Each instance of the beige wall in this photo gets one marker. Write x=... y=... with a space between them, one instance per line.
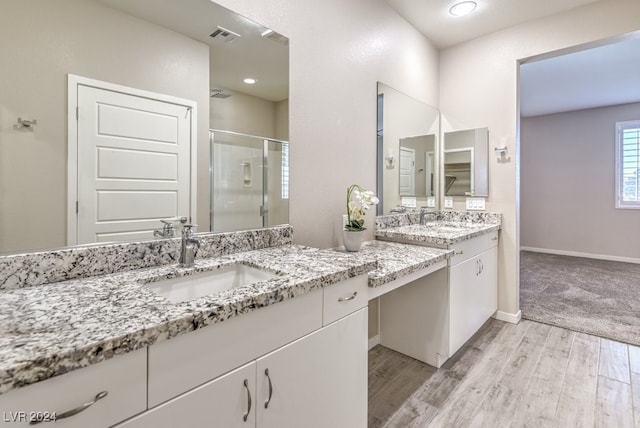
x=478 y=87
x=338 y=51
x=568 y=184
x=244 y=113
x=41 y=42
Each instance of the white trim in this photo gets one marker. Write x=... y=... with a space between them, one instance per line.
x=585 y=255
x=508 y=317
x=73 y=81
x=375 y=340
x=620 y=127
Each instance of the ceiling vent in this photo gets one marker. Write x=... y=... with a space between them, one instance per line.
x=224 y=35
x=219 y=93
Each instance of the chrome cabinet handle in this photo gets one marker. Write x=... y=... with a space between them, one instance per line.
x=481 y=266
x=494 y=238
x=458 y=252
x=77 y=410
x=246 y=415
x=266 y=403
x=477 y=267
x=346 y=299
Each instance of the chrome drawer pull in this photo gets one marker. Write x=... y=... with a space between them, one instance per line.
x=78 y=409
x=266 y=403
x=246 y=415
x=458 y=253
x=346 y=299
x=494 y=239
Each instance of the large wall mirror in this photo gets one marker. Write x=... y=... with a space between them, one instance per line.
x=407 y=151
x=466 y=162
x=214 y=69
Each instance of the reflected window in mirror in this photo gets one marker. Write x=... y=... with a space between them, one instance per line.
x=407 y=146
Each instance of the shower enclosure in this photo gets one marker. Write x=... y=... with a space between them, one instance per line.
x=249 y=181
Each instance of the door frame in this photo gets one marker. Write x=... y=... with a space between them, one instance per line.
x=73 y=81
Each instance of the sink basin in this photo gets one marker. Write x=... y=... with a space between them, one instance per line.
x=185 y=288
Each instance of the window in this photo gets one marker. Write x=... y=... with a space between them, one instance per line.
x=285 y=170
x=628 y=164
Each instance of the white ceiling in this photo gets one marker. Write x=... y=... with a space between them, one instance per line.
x=607 y=75
x=251 y=55
x=602 y=76
x=432 y=18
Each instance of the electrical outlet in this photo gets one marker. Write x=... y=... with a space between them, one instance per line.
x=475 y=204
x=431 y=202
x=408 y=202
x=448 y=201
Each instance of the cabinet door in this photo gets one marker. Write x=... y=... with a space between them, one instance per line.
x=487 y=290
x=222 y=402
x=318 y=381
x=463 y=315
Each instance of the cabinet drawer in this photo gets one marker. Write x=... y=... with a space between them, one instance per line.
x=466 y=249
x=124 y=378
x=344 y=298
x=190 y=360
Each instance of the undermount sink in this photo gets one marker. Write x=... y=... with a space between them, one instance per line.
x=189 y=287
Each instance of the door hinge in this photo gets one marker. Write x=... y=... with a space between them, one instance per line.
x=77 y=207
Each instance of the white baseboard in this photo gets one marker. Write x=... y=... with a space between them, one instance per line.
x=508 y=317
x=585 y=255
x=375 y=340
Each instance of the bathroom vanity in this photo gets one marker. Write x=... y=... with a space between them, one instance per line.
x=95 y=350
x=450 y=305
x=91 y=336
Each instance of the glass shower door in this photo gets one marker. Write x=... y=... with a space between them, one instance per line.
x=249 y=182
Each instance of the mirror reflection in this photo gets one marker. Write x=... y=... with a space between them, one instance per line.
x=466 y=162
x=417 y=165
x=407 y=135
x=150 y=162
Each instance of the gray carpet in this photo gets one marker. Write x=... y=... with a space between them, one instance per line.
x=591 y=296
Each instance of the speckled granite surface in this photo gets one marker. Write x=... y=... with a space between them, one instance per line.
x=443 y=228
x=54 y=328
x=25 y=270
x=394 y=220
x=396 y=260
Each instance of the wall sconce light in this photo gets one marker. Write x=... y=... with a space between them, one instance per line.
x=390 y=161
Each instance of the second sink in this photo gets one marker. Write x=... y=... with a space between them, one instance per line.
x=189 y=287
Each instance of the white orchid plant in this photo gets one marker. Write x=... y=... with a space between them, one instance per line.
x=359 y=201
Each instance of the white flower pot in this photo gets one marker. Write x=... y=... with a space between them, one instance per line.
x=353 y=239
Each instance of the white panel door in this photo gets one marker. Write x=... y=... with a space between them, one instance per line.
x=133 y=164
x=407 y=172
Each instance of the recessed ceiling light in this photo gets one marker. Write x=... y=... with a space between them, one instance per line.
x=249 y=81
x=463 y=8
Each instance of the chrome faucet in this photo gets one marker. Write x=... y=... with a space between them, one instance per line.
x=188 y=246
x=424 y=212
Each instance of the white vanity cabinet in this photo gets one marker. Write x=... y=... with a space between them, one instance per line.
x=318 y=381
x=432 y=317
x=72 y=399
x=298 y=363
x=228 y=401
x=473 y=289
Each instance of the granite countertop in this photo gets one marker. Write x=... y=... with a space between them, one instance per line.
x=436 y=233
x=396 y=260
x=51 y=329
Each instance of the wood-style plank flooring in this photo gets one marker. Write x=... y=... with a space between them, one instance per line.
x=524 y=375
